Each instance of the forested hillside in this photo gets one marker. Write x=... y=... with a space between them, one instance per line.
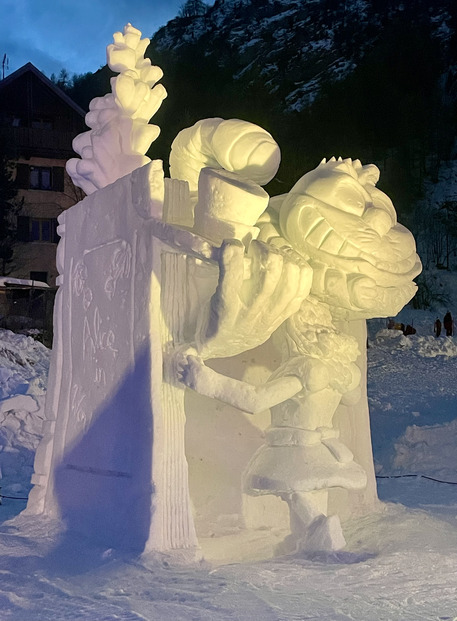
x=368 y=79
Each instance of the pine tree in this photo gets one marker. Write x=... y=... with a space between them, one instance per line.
x=9 y=208
x=193 y=8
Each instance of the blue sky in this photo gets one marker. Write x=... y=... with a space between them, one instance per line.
x=72 y=34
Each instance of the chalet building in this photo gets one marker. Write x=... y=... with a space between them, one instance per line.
x=37 y=125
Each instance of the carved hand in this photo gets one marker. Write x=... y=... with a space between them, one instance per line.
x=257 y=291
x=193 y=373
x=249 y=398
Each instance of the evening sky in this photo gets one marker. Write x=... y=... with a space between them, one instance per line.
x=72 y=34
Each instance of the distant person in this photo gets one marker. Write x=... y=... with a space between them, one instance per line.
x=437 y=327
x=448 y=323
x=391 y=324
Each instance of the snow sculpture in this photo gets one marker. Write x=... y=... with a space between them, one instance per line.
x=120 y=131
x=168 y=283
x=112 y=462
x=363 y=265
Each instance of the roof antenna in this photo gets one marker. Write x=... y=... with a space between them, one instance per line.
x=5 y=63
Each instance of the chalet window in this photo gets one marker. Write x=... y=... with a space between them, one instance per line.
x=40 y=177
x=10 y=120
x=42 y=229
x=37 y=229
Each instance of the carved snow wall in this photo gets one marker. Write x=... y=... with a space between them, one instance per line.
x=112 y=463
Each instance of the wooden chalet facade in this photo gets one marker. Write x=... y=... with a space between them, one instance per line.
x=37 y=125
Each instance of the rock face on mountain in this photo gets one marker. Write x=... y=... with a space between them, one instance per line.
x=368 y=79
x=294 y=47
x=374 y=80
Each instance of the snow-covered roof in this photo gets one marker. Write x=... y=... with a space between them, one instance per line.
x=36 y=284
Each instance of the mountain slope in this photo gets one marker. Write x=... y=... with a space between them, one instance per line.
x=372 y=79
x=295 y=47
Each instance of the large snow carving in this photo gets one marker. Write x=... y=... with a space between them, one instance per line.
x=256 y=303
x=363 y=264
x=120 y=132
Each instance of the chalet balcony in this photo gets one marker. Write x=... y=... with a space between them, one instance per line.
x=27 y=142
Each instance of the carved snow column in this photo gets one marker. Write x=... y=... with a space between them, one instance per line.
x=43 y=455
x=353 y=423
x=172 y=525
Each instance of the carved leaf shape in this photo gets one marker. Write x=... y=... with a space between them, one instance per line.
x=120 y=59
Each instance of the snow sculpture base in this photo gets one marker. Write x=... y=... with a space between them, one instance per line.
x=118 y=462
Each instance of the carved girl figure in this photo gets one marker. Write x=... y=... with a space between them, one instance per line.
x=302 y=456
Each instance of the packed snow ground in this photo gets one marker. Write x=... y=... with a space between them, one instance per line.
x=400 y=563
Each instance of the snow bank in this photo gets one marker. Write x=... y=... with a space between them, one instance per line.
x=425 y=346
x=24 y=365
x=428 y=450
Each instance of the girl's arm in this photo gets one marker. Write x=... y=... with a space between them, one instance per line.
x=247 y=397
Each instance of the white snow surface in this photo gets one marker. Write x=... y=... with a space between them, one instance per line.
x=5 y=281
x=400 y=563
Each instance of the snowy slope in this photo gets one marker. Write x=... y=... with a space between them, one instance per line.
x=400 y=563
